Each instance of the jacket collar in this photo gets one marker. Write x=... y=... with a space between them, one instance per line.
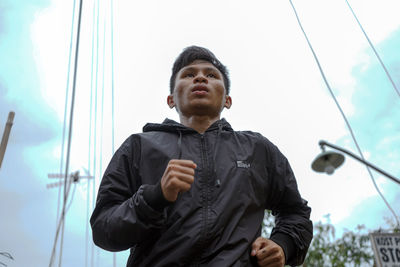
x=169 y=125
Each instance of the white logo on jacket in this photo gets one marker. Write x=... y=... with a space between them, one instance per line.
x=242 y=164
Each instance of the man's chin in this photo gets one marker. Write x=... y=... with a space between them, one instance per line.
x=202 y=110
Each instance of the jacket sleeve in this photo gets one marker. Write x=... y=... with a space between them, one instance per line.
x=122 y=218
x=293 y=228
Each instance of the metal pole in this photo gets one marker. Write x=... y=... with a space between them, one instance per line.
x=324 y=143
x=6 y=134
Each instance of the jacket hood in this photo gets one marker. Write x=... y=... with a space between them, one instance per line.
x=169 y=125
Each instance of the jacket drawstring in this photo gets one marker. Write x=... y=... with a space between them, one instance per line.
x=180 y=145
x=218 y=181
x=239 y=144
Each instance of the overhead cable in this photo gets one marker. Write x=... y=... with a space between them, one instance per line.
x=71 y=120
x=58 y=219
x=341 y=111
x=376 y=52
x=95 y=122
x=112 y=97
x=66 y=104
x=88 y=208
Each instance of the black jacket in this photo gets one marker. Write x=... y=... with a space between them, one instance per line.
x=238 y=176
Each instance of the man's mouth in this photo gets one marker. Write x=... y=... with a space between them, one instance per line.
x=200 y=90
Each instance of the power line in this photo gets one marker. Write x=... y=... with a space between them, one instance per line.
x=112 y=97
x=341 y=111
x=62 y=218
x=72 y=199
x=95 y=121
x=376 y=53
x=90 y=139
x=102 y=108
x=71 y=124
x=60 y=224
x=64 y=127
x=112 y=78
x=93 y=126
x=66 y=105
x=72 y=178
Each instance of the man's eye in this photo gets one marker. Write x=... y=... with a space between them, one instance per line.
x=188 y=75
x=211 y=75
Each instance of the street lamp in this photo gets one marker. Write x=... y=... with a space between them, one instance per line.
x=328 y=161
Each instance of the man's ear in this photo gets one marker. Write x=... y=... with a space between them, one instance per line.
x=170 y=101
x=228 y=102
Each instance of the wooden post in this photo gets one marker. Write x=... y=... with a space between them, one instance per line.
x=6 y=134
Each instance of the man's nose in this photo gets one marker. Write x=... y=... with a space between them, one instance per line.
x=200 y=78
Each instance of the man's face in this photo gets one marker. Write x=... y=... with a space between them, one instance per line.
x=199 y=90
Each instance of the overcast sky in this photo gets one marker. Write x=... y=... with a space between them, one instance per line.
x=277 y=90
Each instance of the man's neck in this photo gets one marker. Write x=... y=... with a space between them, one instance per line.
x=198 y=123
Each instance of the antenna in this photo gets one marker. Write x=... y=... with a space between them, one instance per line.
x=68 y=180
x=73 y=178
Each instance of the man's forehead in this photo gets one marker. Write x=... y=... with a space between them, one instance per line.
x=200 y=63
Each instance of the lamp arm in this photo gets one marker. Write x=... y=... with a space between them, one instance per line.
x=324 y=143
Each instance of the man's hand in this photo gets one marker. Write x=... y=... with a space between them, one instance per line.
x=268 y=253
x=178 y=177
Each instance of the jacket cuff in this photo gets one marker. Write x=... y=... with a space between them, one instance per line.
x=154 y=197
x=286 y=243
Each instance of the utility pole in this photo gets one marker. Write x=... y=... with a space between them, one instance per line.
x=6 y=134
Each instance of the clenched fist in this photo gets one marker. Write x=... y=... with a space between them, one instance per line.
x=178 y=177
x=268 y=253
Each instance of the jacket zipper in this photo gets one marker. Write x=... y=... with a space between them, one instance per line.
x=205 y=193
x=195 y=261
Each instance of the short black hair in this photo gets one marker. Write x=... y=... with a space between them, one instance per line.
x=192 y=53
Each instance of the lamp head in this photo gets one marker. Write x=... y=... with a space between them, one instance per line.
x=327 y=161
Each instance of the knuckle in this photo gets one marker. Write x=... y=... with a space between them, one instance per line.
x=276 y=249
x=169 y=167
x=260 y=239
x=174 y=183
x=174 y=174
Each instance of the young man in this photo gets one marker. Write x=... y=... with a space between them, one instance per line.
x=194 y=193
